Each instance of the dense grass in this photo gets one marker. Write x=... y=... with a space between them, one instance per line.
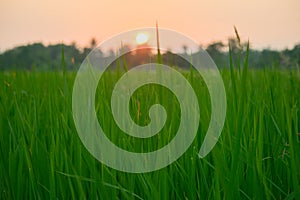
x=257 y=156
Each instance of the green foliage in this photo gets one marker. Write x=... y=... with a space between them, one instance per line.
x=257 y=156
x=41 y=58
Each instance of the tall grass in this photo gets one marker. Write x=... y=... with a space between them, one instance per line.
x=257 y=156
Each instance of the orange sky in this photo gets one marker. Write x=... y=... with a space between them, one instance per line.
x=267 y=23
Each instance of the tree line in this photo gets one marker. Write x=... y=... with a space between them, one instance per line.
x=40 y=57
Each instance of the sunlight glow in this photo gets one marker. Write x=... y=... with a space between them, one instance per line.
x=141 y=38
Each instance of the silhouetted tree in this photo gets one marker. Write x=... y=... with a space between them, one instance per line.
x=93 y=43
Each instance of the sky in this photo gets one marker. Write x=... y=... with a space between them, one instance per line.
x=271 y=24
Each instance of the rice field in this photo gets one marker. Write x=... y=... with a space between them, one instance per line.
x=256 y=157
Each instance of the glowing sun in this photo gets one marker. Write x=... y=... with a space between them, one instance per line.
x=141 y=38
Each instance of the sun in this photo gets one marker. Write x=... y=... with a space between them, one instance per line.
x=141 y=38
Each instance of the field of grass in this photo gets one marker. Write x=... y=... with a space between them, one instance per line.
x=257 y=156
